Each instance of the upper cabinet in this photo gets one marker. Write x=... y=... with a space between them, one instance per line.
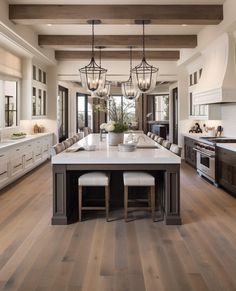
x=39 y=92
x=218 y=81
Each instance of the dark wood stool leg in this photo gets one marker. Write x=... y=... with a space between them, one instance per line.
x=80 y=203
x=126 y=202
x=152 y=188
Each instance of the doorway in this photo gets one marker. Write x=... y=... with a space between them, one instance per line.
x=62 y=117
x=175 y=115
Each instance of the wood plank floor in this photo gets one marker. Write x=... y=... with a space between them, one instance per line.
x=98 y=256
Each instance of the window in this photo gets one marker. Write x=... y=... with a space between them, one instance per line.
x=44 y=78
x=10 y=95
x=127 y=108
x=84 y=112
x=161 y=107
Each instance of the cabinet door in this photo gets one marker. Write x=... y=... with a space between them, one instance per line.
x=190 y=154
x=45 y=147
x=226 y=169
x=4 y=164
x=16 y=160
x=29 y=155
x=37 y=150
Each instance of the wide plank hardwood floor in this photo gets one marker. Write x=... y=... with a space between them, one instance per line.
x=98 y=256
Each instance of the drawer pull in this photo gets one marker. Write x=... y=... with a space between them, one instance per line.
x=2 y=156
x=17 y=150
x=3 y=173
x=37 y=155
x=16 y=166
x=29 y=159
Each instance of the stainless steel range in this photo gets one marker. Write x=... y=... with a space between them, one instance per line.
x=206 y=156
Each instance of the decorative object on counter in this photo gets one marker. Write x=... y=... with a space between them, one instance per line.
x=219 y=130
x=195 y=129
x=36 y=128
x=211 y=131
x=115 y=138
x=117 y=124
x=122 y=147
x=18 y=135
x=41 y=128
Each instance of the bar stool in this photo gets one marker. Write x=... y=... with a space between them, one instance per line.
x=139 y=179
x=94 y=179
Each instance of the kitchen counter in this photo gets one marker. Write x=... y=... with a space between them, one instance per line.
x=9 y=143
x=160 y=162
x=228 y=146
x=105 y=154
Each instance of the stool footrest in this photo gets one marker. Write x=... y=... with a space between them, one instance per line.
x=93 y=208
x=138 y=208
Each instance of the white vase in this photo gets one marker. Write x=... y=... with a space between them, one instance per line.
x=114 y=138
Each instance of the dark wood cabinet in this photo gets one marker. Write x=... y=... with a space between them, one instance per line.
x=190 y=154
x=226 y=169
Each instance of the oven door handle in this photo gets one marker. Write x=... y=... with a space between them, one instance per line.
x=204 y=154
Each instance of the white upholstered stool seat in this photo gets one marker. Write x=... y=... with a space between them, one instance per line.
x=94 y=179
x=139 y=179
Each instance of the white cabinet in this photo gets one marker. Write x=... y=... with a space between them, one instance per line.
x=20 y=158
x=16 y=160
x=28 y=155
x=4 y=168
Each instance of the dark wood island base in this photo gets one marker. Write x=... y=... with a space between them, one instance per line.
x=65 y=188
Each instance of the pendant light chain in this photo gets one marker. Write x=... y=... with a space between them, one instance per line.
x=92 y=38
x=143 y=41
x=130 y=61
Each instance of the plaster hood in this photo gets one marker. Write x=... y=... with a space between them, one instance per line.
x=218 y=81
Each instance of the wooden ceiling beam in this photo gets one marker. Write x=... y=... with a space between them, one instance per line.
x=116 y=14
x=118 y=41
x=118 y=55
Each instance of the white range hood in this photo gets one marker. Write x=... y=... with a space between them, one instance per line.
x=218 y=81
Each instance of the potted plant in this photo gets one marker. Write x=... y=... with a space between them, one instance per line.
x=117 y=124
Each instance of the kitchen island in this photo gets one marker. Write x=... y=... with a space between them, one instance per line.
x=148 y=156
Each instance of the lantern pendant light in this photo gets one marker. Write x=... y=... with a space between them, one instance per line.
x=145 y=75
x=129 y=90
x=93 y=77
x=103 y=92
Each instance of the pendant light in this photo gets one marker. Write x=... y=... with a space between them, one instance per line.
x=103 y=92
x=129 y=89
x=145 y=75
x=93 y=76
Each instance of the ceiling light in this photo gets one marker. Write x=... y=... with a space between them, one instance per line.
x=103 y=92
x=129 y=89
x=93 y=77
x=144 y=74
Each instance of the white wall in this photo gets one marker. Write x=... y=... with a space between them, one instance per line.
x=228 y=121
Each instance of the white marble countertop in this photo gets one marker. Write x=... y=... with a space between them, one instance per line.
x=228 y=146
x=105 y=154
x=6 y=144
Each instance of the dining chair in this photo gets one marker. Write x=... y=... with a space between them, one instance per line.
x=166 y=144
x=174 y=148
